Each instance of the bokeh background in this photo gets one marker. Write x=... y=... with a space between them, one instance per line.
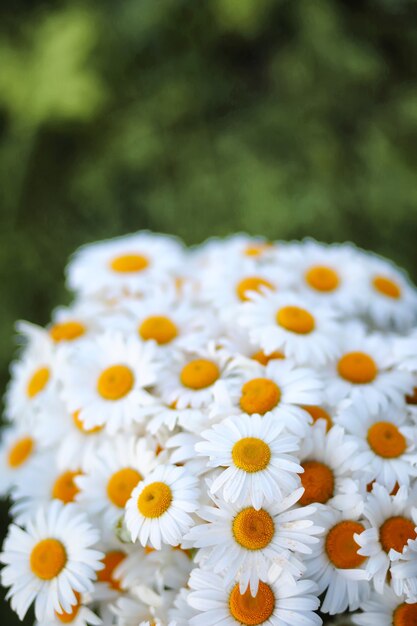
x=277 y=117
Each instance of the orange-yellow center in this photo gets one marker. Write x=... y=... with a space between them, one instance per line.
x=67 y=331
x=159 y=328
x=65 y=488
x=296 y=320
x=106 y=575
x=48 y=558
x=395 y=533
x=155 y=500
x=357 y=368
x=386 y=440
x=257 y=249
x=251 y=283
x=121 y=485
x=129 y=263
x=251 y=454
x=253 y=529
x=318 y=413
x=20 y=452
x=341 y=547
x=67 y=618
x=412 y=397
x=386 y=287
x=322 y=278
x=38 y=381
x=405 y=615
x=115 y=382
x=318 y=483
x=264 y=359
x=199 y=374
x=249 y=610
x=259 y=395
x=81 y=427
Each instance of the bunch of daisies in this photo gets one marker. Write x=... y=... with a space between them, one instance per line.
x=218 y=436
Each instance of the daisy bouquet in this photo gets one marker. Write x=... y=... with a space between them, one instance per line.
x=217 y=436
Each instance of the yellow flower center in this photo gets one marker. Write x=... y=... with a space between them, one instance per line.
x=64 y=487
x=296 y=320
x=264 y=359
x=121 y=485
x=341 y=547
x=253 y=529
x=386 y=440
x=259 y=395
x=67 y=618
x=20 y=451
x=322 y=278
x=251 y=454
x=106 y=575
x=199 y=374
x=155 y=500
x=129 y=263
x=386 y=287
x=80 y=425
x=357 y=368
x=159 y=328
x=115 y=382
x=405 y=615
x=318 y=483
x=252 y=611
x=252 y=283
x=67 y=331
x=395 y=533
x=48 y=558
x=318 y=413
x=38 y=381
x=255 y=250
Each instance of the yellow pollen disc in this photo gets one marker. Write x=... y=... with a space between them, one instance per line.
x=251 y=454
x=296 y=320
x=341 y=547
x=159 y=328
x=395 y=533
x=259 y=395
x=199 y=374
x=405 y=615
x=253 y=529
x=64 y=487
x=264 y=359
x=251 y=283
x=115 y=382
x=257 y=249
x=412 y=398
x=387 y=287
x=251 y=611
x=386 y=440
x=20 y=451
x=155 y=500
x=322 y=278
x=318 y=413
x=67 y=618
x=121 y=485
x=129 y=263
x=80 y=425
x=38 y=381
x=106 y=575
x=318 y=483
x=67 y=331
x=357 y=368
x=48 y=558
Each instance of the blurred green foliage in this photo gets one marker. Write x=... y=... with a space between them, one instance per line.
x=272 y=116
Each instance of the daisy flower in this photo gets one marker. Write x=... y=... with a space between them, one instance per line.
x=281 y=603
x=79 y=615
x=49 y=561
x=335 y=565
x=219 y=253
x=286 y=322
x=386 y=609
x=69 y=324
x=159 y=508
x=404 y=571
x=18 y=447
x=106 y=380
x=257 y=456
x=143 y=605
x=392 y=525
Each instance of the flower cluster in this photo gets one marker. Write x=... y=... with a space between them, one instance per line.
x=218 y=436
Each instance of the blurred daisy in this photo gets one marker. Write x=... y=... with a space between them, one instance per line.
x=49 y=561
x=386 y=609
x=142 y=606
x=79 y=615
x=160 y=506
x=18 y=447
x=404 y=571
x=257 y=456
x=282 y=603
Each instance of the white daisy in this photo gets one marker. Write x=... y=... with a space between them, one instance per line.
x=79 y=615
x=18 y=447
x=286 y=322
x=281 y=603
x=49 y=561
x=160 y=506
x=257 y=456
x=70 y=324
x=386 y=609
x=404 y=571
x=143 y=605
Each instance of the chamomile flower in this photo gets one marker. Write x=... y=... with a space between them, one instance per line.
x=159 y=508
x=386 y=609
x=286 y=322
x=281 y=603
x=392 y=525
x=70 y=324
x=79 y=615
x=17 y=449
x=257 y=457
x=49 y=561
x=106 y=380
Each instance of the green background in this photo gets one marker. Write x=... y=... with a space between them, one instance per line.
x=281 y=118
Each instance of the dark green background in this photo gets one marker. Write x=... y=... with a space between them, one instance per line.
x=283 y=118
